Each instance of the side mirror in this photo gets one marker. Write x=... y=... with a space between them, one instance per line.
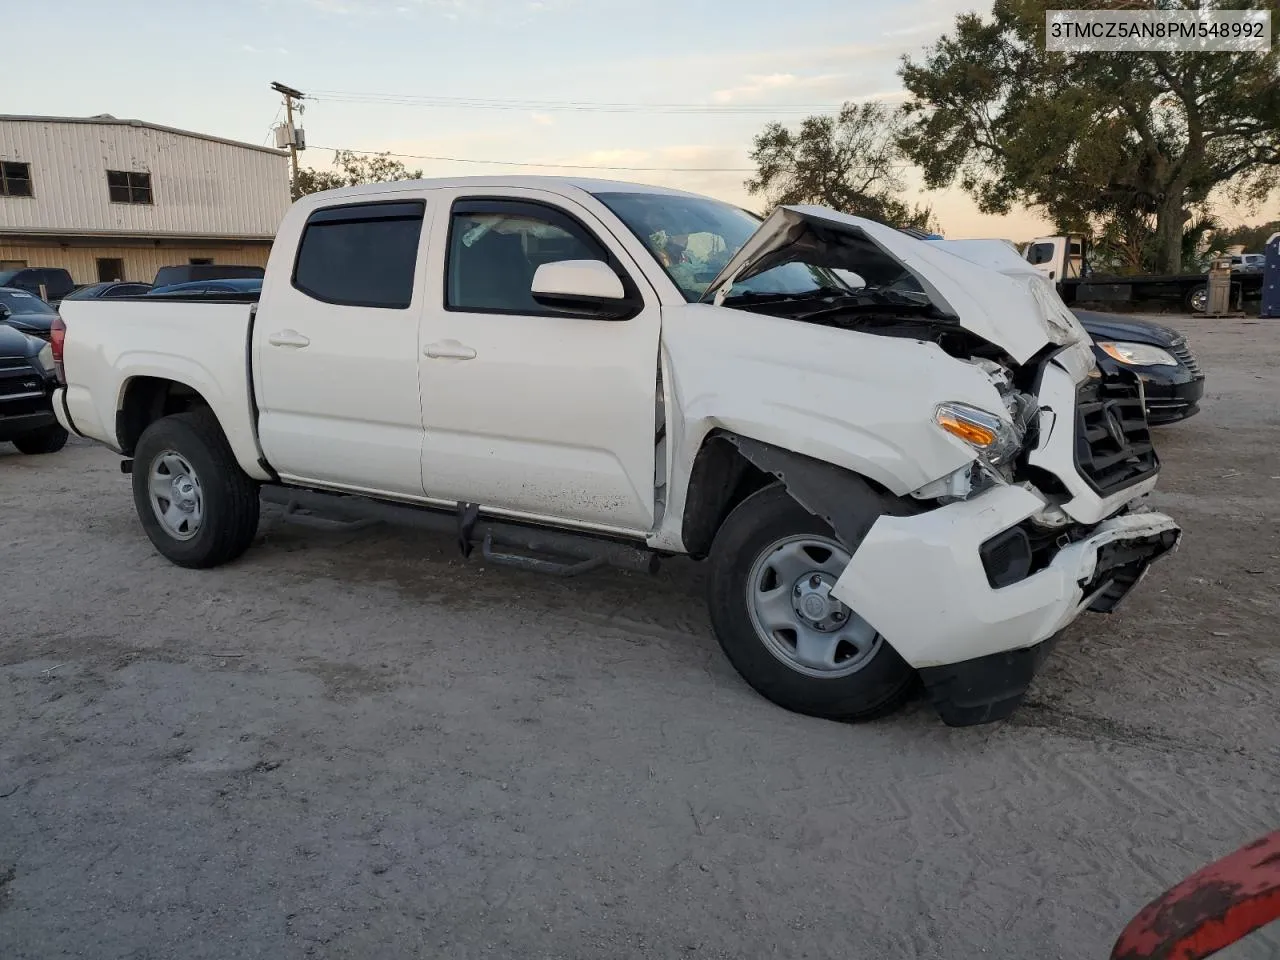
x=589 y=286
x=5 y=312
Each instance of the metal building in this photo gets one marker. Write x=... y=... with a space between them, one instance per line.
x=116 y=199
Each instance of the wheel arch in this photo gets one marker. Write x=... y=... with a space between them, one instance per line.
x=146 y=399
x=729 y=467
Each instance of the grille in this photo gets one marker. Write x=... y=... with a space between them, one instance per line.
x=1113 y=443
x=1182 y=353
x=17 y=377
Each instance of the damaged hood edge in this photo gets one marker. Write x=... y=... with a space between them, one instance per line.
x=995 y=296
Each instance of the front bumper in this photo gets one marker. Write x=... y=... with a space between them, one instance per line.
x=1169 y=402
x=19 y=425
x=920 y=580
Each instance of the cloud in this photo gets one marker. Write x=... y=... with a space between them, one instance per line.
x=931 y=26
x=542 y=119
x=504 y=10
x=756 y=86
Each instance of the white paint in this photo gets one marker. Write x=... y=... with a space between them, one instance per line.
x=201 y=345
x=919 y=580
x=554 y=415
x=201 y=187
x=578 y=278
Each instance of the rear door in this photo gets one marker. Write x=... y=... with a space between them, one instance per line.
x=336 y=350
x=529 y=410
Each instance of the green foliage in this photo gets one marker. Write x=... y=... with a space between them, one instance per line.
x=1105 y=143
x=849 y=162
x=1251 y=238
x=350 y=170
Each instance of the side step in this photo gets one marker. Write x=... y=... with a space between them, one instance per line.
x=557 y=552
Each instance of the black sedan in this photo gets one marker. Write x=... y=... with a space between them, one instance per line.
x=26 y=389
x=26 y=312
x=1171 y=374
x=113 y=288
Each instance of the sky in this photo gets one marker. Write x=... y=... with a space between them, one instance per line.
x=208 y=67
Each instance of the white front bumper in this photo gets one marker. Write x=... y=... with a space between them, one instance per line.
x=920 y=581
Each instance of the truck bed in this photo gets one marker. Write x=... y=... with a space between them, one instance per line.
x=115 y=346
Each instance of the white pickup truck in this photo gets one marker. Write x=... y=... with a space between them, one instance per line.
x=897 y=456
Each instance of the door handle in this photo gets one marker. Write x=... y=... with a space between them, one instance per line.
x=449 y=350
x=288 y=338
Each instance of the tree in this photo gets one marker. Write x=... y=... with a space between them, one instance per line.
x=352 y=169
x=850 y=162
x=1093 y=138
x=1251 y=238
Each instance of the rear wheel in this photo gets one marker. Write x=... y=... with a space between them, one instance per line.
x=195 y=503
x=772 y=568
x=46 y=440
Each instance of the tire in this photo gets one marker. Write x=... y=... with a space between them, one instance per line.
x=222 y=518
x=869 y=683
x=1197 y=299
x=45 y=440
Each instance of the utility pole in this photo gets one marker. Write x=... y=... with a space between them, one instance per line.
x=290 y=95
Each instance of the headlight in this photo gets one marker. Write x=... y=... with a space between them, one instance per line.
x=1137 y=354
x=45 y=359
x=995 y=439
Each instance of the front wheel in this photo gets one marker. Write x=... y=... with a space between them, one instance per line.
x=772 y=568
x=197 y=506
x=1197 y=299
x=46 y=440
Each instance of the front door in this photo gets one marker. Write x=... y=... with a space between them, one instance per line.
x=336 y=350
x=530 y=410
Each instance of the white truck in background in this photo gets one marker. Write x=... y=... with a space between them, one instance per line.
x=898 y=458
x=1065 y=261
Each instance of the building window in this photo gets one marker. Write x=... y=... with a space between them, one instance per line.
x=110 y=268
x=126 y=186
x=15 y=179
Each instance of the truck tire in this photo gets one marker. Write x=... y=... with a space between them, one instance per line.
x=772 y=564
x=46 y=440
x=195 y=503
x=1197 y=299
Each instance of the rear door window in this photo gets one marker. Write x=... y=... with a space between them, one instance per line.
x=361 y=255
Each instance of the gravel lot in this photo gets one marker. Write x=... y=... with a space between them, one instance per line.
x=359 y=745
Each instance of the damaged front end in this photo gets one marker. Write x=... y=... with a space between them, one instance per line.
x=1036 y=522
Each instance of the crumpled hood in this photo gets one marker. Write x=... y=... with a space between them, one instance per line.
x=984 y=284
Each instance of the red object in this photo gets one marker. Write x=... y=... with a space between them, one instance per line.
x=58 y=340
x=1212 y=908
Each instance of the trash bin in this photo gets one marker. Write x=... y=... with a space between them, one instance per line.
x=1271 y=279
x=1219 y=295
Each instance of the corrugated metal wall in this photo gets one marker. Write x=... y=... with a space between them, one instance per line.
x=140 y=262
x=199 y=187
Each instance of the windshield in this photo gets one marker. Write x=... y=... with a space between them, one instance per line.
x=19 y=302
x=694 y=237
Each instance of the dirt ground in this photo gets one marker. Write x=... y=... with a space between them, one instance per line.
x=359 y=745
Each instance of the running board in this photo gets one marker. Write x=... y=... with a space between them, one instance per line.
x=566 y=554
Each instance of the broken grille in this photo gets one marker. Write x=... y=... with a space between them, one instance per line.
x=1113 y=442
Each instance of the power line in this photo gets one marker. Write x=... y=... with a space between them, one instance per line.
x=573 y=106
x=557 y=166
x=272 y=126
